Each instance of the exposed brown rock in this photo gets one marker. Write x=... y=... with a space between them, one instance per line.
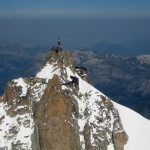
x=119 y=140
x=10 y=94
x=12 y=99
x=54 y=120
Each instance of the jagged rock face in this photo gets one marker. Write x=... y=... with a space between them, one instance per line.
x=58 y=110
x=54 y=120
x=16 y=122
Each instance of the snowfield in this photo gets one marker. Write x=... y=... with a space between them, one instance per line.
x=48 y=72
x=137 y=128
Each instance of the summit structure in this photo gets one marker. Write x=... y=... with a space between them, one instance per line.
x=58 y=47
x=59 y=110
x=59 y=43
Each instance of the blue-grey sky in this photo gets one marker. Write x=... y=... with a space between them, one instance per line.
x=80 y=22
x=75 y=8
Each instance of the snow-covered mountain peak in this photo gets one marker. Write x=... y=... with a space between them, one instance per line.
x=58 y=109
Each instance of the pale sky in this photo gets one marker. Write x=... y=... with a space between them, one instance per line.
x=75 y=8
x=80 y=22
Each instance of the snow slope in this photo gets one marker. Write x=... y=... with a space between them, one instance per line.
x=137 y=128
x=15 y=130
x=48 y=71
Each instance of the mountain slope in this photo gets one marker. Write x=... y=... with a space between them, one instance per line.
x=59 y=109
x=137 y=127
x=126 y=80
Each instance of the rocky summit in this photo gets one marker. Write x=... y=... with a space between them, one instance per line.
x=58 y=109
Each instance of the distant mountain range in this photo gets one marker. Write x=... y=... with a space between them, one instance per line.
x=124 y=79
x=18 y=60
x=128 y=48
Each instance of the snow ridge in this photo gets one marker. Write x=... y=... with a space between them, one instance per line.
x=98 y=115
x=90 y=101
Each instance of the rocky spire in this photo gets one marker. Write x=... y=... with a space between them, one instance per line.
x=58 y=110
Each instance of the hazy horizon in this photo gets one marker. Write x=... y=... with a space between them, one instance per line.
x=80 y=23
x=75 y=32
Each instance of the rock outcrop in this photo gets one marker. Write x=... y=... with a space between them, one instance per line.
x=58 y=110
x=125 y=79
